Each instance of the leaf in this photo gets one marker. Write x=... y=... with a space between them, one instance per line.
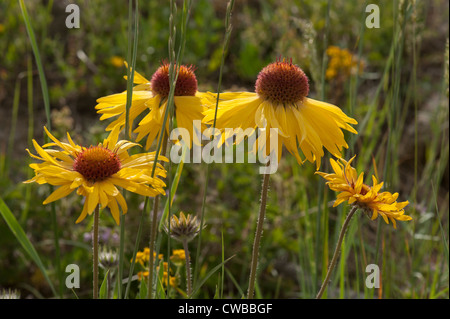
x=209 y=274
x=142 y=290
x=23 y=240
x=173 y=189
x=103 y=293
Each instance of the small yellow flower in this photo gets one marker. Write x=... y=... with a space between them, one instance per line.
x=174 y=281
x=351 y=188
x=116 y=61
x=142 y=257
x=142 y=275
x=178 y=257
x=342 y=62
x=95 y=172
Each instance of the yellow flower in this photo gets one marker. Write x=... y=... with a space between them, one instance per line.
x=351 y=188
x=173 y=280
x=342 y=62
x=116 y=61
x=151 y=96
x=142 y=275
x=178 y=257
x=96 y=171
x=280 y=101
x=142 y=257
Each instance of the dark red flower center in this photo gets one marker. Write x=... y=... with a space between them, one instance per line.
x=97 y=163
x=282 y=82
x=186 y=81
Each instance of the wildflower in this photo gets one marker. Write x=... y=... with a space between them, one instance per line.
x=142 y=275
x=174 y=281
x=95 y=172
x=367 y=198
x=152 y=96
x=280 y=101
x=142 y=257
x=183 y=228
x=178 y=257
x=108 y=258
x=116 y=61
x=341 y=62
x=9 y=294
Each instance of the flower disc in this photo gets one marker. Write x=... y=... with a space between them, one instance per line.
x=186 y=82
x=282 y=82
x=97 y=163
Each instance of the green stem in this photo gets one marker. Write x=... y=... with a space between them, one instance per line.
x=258 y=235
x=108 y=284
x=154 y=230
x=95 y=252
x=336 y=251
x=228 y=29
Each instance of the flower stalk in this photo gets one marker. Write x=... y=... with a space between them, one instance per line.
x=188 y=268
x=336 y=252
x=95 y=252
x=258 y=235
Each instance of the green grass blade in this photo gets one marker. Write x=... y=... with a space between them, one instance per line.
x=173 y=189
x=19 y=233
x=46 y=98
x=200 y=283
x=132 y=52
x=103 y=292
x=37 y=57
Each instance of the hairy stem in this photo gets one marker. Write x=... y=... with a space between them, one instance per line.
x=258 y=235
x=95 y=252
x=188 y=268
x=336 y=252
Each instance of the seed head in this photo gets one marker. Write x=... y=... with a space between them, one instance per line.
x=186 y=81
x=282 y=82
x=97 y=163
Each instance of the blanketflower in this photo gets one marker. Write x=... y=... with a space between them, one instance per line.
x=351 y=188
x=151 y=96
x=280 y=101
x=96 y=171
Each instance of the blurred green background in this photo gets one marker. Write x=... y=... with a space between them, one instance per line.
x=399 y=98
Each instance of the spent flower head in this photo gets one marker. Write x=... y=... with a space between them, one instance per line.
x=108 y=258
x=186 y=227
